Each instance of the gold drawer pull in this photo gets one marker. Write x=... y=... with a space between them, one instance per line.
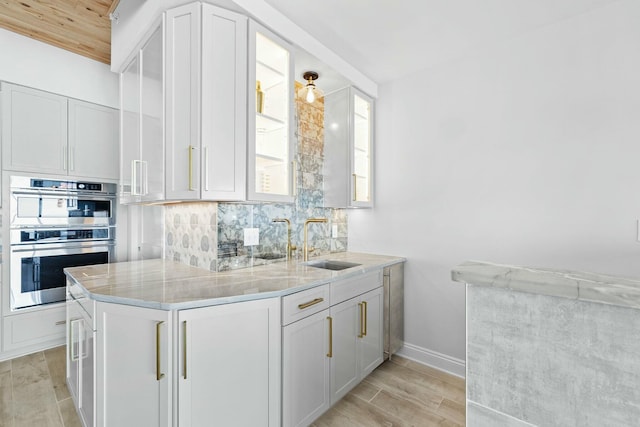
x=310 y=303
x=159 y=374
x=330 y=319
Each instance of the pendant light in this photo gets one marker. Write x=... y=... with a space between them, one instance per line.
x=310 y=91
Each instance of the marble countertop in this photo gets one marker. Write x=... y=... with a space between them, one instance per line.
x=591 y=287
x=170 y=285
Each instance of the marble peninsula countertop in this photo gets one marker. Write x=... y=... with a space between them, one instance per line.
x=170 y=285
x=591 y=287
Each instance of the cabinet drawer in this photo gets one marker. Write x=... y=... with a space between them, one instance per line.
x=36 y=327
x=302 y=304
x=342 y=290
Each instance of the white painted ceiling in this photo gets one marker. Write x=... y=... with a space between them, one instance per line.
x=386 y=39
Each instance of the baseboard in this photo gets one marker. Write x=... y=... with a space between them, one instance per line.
x=434 y=359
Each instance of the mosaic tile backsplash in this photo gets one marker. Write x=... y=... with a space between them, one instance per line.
x=211 y=235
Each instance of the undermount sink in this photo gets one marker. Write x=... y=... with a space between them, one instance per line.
x=328 y=264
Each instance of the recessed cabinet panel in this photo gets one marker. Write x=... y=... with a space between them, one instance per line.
x=133 y=366
x=271 y=168
x=34 y=130
x=229 y=365
x=93 y=140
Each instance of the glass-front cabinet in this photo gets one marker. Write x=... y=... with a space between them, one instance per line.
x=361 y=172
x=348 y=149
x=271 y=159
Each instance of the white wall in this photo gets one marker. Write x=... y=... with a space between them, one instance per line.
x=525 y=153
x=35 y=64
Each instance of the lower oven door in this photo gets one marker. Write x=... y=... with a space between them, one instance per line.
x=37 y=275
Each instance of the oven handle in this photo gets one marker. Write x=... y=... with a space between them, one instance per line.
x=35 y=271
x=67 y=193
x=41 y=247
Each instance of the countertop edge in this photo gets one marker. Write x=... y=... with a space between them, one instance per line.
x=578 y=285
x=198 y=303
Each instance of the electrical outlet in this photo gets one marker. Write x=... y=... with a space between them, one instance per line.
x=334 y=231
x=251 y=236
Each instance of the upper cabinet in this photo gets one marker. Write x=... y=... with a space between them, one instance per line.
x=141 y=139
x=184 y=109
x=46 y=133
x=271 y=163
x=348 y=149
x=205 y=103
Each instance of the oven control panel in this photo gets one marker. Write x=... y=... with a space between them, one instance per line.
x=58 y=235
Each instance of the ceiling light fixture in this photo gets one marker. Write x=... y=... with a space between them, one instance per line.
x=310 y=91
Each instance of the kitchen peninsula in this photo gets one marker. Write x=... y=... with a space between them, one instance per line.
x=550 y=347
x=177 y=345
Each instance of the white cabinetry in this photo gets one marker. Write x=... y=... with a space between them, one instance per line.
x=332 y=349
x=205 y=101
x=357 y=341
x=93 y=140
x=34 y=329
x=142 y=115
x=133 y=366
x=305 y=356
x=51 y=134
x=229 y=365
x=80 y=358
x=270 y=117
x=348 y=149
x=184 y=109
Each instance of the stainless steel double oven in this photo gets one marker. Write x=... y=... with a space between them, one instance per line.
x=56 y=224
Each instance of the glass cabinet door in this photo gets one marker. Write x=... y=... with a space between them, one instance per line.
x=271 y=105
x=361 y=150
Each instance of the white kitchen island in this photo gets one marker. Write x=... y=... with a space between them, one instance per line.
x=160 y=343
x=550 y=348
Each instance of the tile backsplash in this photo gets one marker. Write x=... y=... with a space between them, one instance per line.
x=211 y=235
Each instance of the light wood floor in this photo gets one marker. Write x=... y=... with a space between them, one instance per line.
x=400 y=392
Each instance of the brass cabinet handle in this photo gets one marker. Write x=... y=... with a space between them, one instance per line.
x=191 y=148
x=364 y=309
x=159 y=375
x=310 y=303
x=184 y=349
x=355 y=183
x=330 y=354
x=361 y=334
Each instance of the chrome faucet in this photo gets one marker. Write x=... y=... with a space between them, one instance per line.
x=306 y=247
x=290 y=248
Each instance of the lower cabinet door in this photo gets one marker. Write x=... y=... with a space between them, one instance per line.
x=344 y=361
x=229 y=365
x=305 y=369
x=371 y=343
x=133 y=366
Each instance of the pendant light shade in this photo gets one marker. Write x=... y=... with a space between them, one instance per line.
x=310 y=91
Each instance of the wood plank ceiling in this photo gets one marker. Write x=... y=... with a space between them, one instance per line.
x=79 y=26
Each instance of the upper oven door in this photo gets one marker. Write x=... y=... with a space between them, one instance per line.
x=60 y=209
